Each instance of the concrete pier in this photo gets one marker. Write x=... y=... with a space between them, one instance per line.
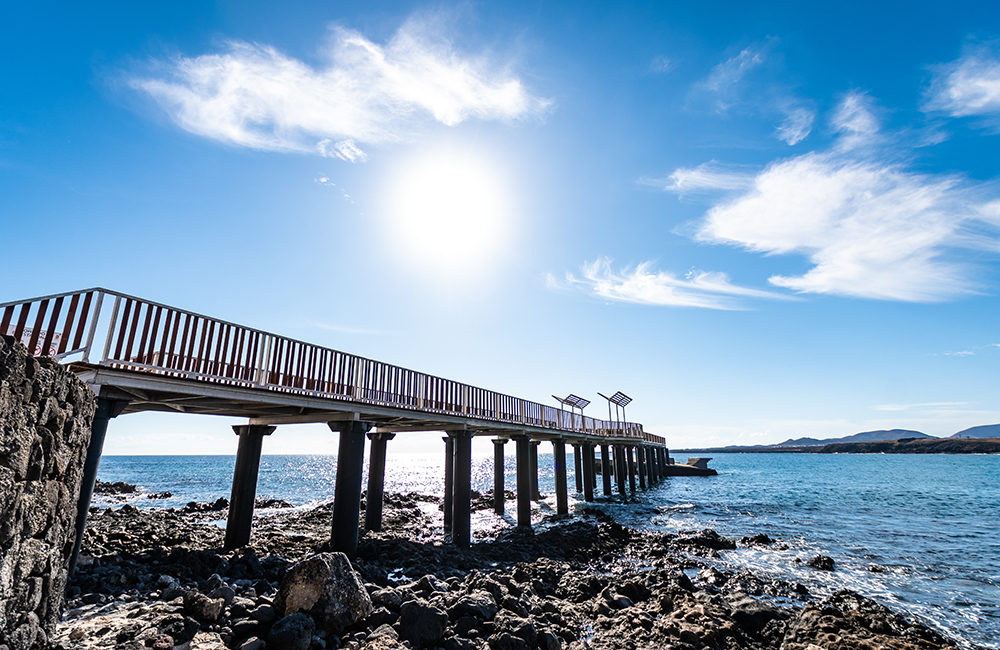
x=620 y=473
x=606 y=470
x=376 y=480
x=244 y=491
x=641 y=465
x=449 y=481
x=461 y=531
x=535 y=494
x=347 y=494
x=523 y=446
x=588 y=472
x=630 y=459
x=559 y=465
x=498 y=475
x=577 y=466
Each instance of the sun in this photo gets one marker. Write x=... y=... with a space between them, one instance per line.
x=449 y=210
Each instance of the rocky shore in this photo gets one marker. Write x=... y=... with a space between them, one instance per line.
x=160 y=579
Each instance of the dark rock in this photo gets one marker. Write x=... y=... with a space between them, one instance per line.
x=821 y=562
x=706 y=538
x=421 y=624
x=760 y=539
x=507 y=641
x=202 y=607
x=294 y=632
x=326 y=587
x=182 y=630
x=480 y=604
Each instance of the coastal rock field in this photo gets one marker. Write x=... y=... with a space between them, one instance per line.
x=160 y=579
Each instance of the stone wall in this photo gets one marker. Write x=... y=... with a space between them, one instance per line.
x=45 y=425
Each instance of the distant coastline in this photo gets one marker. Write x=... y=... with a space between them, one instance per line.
x=901 y=446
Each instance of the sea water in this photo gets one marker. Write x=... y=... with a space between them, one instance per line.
x=916 y=532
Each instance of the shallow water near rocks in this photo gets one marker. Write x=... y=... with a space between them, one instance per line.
x=916 y=532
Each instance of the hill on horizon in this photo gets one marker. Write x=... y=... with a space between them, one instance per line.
x=982 y=431
x=864 y=436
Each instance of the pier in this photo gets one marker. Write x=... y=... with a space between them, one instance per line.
x=138 y=355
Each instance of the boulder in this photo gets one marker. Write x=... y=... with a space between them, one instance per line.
x=294 y=632
x=327 y=588
x=421 y=623
x=202 y=607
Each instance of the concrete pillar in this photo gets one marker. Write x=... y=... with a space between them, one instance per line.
x=578 y=466
x=449 y=481
x=606 y=470
x=641 y=465
x=594 y=463
x=620 y=474
x=376 y=480
x=461 y=531
x=559 y=465
x=535 y=494
x=631 y=468
x=106 y=410
x=244 y=490
x=588 y=472
x=347 y=493
x=498 y=475
x=523 y=445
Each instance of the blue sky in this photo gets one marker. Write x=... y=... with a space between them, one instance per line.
x=761 y=222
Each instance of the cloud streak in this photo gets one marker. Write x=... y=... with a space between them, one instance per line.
x=870 y=227
x=642 y=285
x=968 y=86
x=255 y=96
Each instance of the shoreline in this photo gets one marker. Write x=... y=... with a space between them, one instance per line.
x=579 y=582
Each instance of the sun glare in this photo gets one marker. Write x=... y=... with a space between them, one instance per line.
x=449 y=210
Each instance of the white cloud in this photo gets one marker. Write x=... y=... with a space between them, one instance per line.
x=870 y=227
x=661 y=64
x=968 y=86
x=796 y=126
x=934 y=406
x=255 y=96
x=710 y=176
x=752 y=82
x=730 y=72
x=642 y=285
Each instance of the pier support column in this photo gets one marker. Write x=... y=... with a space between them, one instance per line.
x=577 y=466
x=523 y=445
x=593 y=465
x=498 y=475
x=535 y=494
x=376 y=480
x=244 y=491
x=620 y=471
x=641 y=465
x=107 y=409
x=651 y=460
x=559 y=465
x=461 y=530
x=588 y=472
x=631 y=468
x=606 y=470
x=347 y=493
x=449 y=482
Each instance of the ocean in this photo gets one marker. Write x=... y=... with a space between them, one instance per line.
x=916 y=532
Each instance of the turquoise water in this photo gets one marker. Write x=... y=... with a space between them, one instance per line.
x=928 y=524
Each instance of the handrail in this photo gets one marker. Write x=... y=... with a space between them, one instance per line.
x=150 y=337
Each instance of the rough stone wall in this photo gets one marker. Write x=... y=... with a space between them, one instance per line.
x=45 y=425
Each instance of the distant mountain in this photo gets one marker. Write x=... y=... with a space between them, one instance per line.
x=864 y=436
x=984 y=431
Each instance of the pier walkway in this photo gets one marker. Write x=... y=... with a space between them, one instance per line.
x=138 y=355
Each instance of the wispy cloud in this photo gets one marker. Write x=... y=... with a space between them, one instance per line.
x=871 y=227
x=748 y=82
x=707 y=177
x=935 y=406
x=362 y=93
x=968 y=86
x=661 y=64
x=643 y=285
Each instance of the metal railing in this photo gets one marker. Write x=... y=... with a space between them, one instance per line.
x=149 y=337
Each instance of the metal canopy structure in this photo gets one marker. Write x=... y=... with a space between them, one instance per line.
x=573 y=401
x=620 y=400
